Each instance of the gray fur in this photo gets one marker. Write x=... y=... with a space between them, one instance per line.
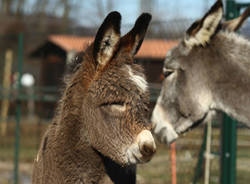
x=204 y=79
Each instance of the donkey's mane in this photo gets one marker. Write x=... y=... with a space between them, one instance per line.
x=75 y=63
x=71 y=68
x=235 y=37
x=236 y=45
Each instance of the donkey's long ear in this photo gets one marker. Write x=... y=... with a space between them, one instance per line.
x=235 y=24
x=201 y=31
x=132 y=41
x=107 y=39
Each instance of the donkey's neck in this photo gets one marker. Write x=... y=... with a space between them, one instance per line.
x=232 y=89
x=233 y=98
x=119 y=174
x=69 y=106
x=238 y=110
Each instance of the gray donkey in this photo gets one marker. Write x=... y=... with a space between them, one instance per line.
x=101 y=128
x=208 y=71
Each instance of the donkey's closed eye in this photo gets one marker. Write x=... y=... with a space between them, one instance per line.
x=113 y=103
x=115 y=106
x=118 y=107
x=121 y=106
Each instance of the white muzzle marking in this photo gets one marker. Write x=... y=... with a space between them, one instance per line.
x=135 y=152
x=163 y=130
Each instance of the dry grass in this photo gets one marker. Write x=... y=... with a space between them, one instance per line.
x=157 y=171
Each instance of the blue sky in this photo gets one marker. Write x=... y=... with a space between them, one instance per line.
x=85 y=11
x=163 y=9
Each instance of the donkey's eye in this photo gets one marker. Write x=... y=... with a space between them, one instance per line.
x=167 y=73
x=117 y=106
x=112 y=103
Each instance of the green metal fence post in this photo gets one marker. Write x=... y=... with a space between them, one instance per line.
x=229 y=126
x=232 y=10
x=18 y=112
x=229 y=148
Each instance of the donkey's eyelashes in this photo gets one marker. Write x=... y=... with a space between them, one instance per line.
x=167 y=72
x=114 y=108
x=114 y=105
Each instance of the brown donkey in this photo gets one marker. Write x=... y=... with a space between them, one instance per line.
x=101 y=126
x=208 y=71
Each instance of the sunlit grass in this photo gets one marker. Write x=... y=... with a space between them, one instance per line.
x=158 y=170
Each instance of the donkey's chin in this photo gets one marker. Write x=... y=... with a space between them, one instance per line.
x=187 y=125
x=135 y=156
x=184 y=126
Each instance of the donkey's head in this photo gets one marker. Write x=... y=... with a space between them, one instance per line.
x=191 y=72
x=113 y=94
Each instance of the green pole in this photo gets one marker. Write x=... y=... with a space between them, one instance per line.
x=232 y=10
x=229 y=126
x=229 y=148
x=18 y=112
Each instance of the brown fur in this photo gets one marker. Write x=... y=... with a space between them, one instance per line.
x=87 y=128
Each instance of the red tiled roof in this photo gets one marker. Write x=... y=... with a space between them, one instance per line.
x=151 y=48
x=155 y=48
x=69 y=43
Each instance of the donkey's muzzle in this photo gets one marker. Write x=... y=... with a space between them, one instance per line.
x=143 y=149
x=162 y=128
x=147 y=149
x=146 y=144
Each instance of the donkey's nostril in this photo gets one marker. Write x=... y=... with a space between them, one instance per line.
x=146 y=144
x=142 y=149
x=147 y=149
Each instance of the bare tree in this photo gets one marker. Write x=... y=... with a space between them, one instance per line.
x=66 y=9
x=20 y=6
x=6 y=6
x=110 y=5
x=40 y=6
